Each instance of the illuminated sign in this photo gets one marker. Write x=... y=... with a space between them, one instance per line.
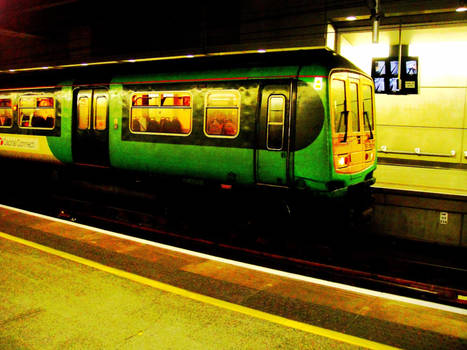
x=385 y=73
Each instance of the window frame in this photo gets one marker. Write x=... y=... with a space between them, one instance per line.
x=372 y=97
x=237 y=108
x=334 y=124
x=160 y=92
x=54 y=107
x=269 y=123
x=7 y=108
x=354 y=114
x=95 y=114
x=89 y=102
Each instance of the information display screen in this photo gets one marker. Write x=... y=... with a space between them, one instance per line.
x=385 y=73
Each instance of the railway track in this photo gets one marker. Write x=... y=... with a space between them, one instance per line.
x=413 y=269
x=335 y=272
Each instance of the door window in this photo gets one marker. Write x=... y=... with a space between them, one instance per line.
x=100 y=113
x=92 y=110
x=276 y=113
x=83 y=113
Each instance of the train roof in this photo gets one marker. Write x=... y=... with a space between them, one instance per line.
x=280 y=64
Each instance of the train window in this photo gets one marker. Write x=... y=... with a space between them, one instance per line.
x=5 y=102
x=276 y=112
x=37 y=112
x=6 y=113
x=100 y=113
x=367 y=91
x=354 y=110
x=45 y=102
x=151 y=99
x=338 y=104
x=222 y=114
x=161 y=113
x=83 y=113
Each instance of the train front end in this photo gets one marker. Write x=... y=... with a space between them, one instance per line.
x=335 y=139
x=352 y=130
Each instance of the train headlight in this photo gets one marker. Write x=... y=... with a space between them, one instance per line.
x=343 y=160
x=369 y=156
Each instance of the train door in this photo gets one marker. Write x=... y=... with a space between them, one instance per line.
x=272 y=153
x=90 y=141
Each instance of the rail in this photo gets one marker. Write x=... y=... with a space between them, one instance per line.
x=418 y=152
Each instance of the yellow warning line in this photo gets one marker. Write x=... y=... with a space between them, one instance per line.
x=205 y=299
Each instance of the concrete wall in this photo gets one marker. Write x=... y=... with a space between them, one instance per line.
x=421 y=217
x=435 y=120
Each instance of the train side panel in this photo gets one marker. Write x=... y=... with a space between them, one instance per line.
x=116 y=154
x=225 y=165
x=61 y=146
x=195 y=154
x=312 y=160
x=39 y=127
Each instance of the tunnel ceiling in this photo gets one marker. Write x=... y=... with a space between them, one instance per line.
x=49 y=32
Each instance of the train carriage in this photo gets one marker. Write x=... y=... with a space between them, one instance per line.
x=301 y=120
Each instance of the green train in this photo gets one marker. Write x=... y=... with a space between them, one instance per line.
x=301 y=120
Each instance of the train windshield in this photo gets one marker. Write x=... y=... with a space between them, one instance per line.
x=352 y=121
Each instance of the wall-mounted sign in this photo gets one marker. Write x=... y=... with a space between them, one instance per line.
x=385 y=73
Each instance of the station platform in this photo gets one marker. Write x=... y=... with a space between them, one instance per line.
x=68 y=286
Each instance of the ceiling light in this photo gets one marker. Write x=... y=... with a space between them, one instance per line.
x=261 y=50
x=461 y=7
x=351 y=18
